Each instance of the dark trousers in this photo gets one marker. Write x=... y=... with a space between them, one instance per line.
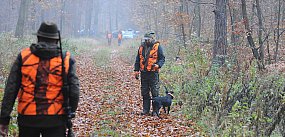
x=149 y=83
x=119 y=42
x=45 y=132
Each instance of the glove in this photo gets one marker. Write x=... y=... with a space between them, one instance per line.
x=3 y=130
x=136 y=74
x=155 y=67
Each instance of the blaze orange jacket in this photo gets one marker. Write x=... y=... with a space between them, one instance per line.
x=45 y=98
x=156 y=56
x=147 y=61
x=35 y=78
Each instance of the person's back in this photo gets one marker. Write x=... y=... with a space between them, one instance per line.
x=36 y=77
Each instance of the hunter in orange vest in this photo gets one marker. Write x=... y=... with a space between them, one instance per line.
x=149 y=60
x=120 y=37
x=36 y=78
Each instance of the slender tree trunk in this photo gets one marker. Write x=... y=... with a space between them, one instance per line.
x=220 y=40
x=33 y=16
x=182 y=24
x=62 y=11
x=249 y=35
x=88 y=17
x=22 y=18
x=197 y=19
x=277 y=33
x=96 y=16
x=234 y=18
x=260 y=30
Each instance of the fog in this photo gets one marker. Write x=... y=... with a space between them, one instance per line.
x=74 y=17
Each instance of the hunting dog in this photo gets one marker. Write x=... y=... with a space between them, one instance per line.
x=164 y=101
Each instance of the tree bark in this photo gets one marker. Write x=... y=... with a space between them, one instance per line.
x=197 y=19
x=277 y=32
x=260 y=29
x=220 y=34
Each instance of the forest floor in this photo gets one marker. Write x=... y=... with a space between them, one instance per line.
x=110 y=101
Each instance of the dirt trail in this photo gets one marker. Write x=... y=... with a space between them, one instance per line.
x=110 y=103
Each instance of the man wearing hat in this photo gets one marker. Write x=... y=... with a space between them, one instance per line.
x=36 y=79
x=149 y=60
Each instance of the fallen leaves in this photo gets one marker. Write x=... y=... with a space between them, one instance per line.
x=110 y=99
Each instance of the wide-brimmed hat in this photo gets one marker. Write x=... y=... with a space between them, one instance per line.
x=48 y=30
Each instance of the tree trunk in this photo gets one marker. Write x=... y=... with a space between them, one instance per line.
x=182 y=24
x=277 y=32
x=96 y=17
x=88 y=17
x=22 y=18
x=62 y=11
x=260 y=29
x=220 y=40
x=234 y=19
x=249 y=35
x=197 y=19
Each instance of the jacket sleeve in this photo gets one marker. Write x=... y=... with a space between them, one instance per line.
x=137 y=63
x=73 y=85
x=161 y=57
x=11 y=91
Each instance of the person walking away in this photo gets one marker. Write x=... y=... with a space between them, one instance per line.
x=120 y=37
x=149 y=60
x=109 y=37
x=36 y=79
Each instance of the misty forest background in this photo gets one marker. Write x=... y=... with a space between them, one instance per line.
x=225 y=59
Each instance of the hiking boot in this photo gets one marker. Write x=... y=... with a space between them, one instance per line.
x=145 y=113
x=155 y=114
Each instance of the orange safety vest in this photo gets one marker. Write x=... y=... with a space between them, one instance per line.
x=46 y=98
x=119 y=36
x=153 y=57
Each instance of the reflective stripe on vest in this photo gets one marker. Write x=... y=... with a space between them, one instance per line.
x=40 y=92
x=153 y=56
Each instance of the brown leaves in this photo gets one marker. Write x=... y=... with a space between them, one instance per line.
x=110 y=100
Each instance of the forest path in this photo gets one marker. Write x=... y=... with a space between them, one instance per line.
x=110 y=100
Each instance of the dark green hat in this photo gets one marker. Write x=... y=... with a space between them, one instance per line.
x=48 y=30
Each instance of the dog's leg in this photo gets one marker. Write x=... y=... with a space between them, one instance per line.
x=168 y=109
x=157 y=113
x=164 y=109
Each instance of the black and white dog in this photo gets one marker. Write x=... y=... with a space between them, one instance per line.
x=164 y=101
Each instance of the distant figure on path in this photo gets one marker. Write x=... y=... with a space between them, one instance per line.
x=120 y=37
x=109 y=37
